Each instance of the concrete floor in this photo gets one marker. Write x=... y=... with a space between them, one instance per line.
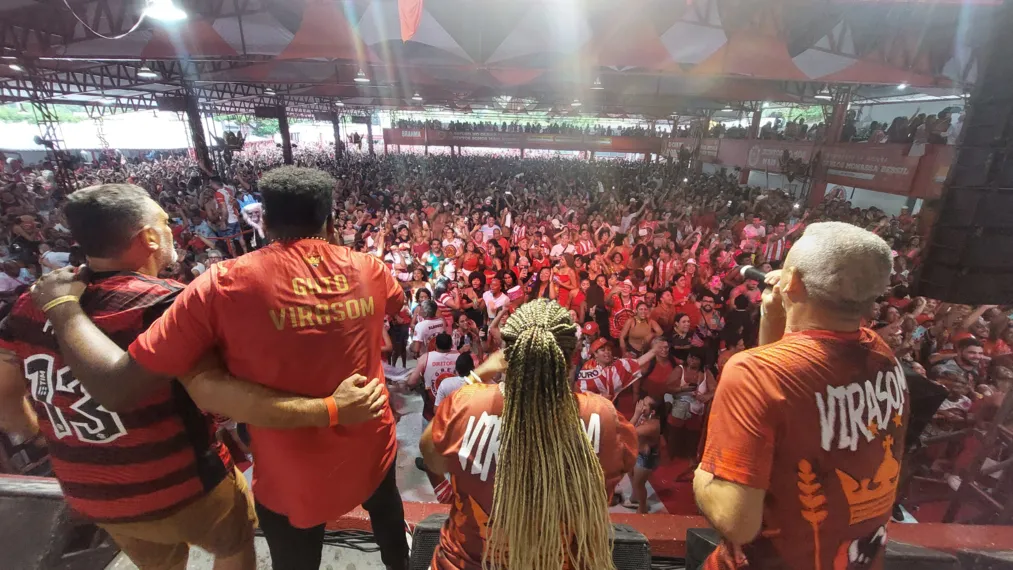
x=334 y=558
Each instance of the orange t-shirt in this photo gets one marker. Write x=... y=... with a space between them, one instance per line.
x=300 y=317
x=466 y=432
x=817 y=420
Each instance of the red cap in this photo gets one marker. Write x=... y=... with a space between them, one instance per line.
x=598 y=344
x=590 y=328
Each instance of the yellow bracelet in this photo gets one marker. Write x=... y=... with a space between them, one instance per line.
x=59 y=301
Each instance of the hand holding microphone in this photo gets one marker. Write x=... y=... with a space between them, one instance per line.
x=773 y=317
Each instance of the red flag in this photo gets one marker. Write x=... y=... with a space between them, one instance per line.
x=410 y=12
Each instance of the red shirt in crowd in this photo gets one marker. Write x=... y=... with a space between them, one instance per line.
x=817 y=420
x=298 y=316
x=466 y=432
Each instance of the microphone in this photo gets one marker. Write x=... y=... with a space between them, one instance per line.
x=750 y=272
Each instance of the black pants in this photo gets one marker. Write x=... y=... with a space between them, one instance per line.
x=300 y=548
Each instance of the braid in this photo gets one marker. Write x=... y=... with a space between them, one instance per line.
x=549 y=491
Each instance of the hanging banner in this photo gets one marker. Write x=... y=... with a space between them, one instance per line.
x=497 y=139
x=880 y=167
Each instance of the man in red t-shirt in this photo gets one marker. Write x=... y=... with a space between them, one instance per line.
x=802 y=459
x=299 y=315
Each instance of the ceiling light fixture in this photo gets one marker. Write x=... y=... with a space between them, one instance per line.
x=597 y=84
x=145 y=73
x=339 y=103
x=576 y=103
x=416 y=97
x=164 y=11
x=360 y=77
x=15 y=67
x=824 y=94
x=726 y=110
x=902 y=86
x=269 y=91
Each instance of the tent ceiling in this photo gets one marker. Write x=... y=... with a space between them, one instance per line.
x=653 y=57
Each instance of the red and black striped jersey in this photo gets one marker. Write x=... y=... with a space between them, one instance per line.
x=138 y=464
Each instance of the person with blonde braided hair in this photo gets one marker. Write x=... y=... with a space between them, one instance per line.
x=532 y=464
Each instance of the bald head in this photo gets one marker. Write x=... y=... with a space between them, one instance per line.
x=843 y=267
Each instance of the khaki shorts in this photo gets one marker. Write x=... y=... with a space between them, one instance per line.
x=220 y=522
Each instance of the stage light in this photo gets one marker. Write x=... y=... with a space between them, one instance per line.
x=361 y=77
x=902 y=87
x=685 y=179
x=339 y=103
x=576 y=103
x=597 y=84
x=145 y=73
x=416 y=97
x=269 y=91
x=15 y=67
x=726 y=110
x=164 y=11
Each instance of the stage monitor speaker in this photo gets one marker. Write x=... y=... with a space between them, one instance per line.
x=39 y=532
x=630 y=551
x=969 y=258
x=700 y=542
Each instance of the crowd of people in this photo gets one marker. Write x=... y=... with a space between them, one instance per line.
x=552 y=128
x=644 y=259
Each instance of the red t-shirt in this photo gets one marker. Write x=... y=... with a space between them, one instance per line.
x=655 y=384
x=299 y=317
x=817 y=420
x=466 y=432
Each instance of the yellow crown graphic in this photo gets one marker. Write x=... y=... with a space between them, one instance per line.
x=313 y=260
x=872 y=498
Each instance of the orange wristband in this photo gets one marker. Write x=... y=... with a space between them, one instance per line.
x=332 y=411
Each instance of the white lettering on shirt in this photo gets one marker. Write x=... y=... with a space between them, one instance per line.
x=481 y=436
x=860 y=409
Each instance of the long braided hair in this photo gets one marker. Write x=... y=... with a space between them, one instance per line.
x=549 y=504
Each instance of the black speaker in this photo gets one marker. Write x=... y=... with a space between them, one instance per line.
x=630 y=551
x=39 y=532
x=969 y=258
x=700 y=542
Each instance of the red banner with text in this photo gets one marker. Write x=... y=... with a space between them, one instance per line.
x=496 y=139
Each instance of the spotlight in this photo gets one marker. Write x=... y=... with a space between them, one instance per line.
x=145 y=73
x=339 y=103
x=361 y=77
x=164 y=11
x=576 y=103
x=15 y=67
x=269 y=91
x=416 y=97
x=902 y=87
x=597 y=84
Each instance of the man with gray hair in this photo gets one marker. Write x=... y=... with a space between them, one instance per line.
x=806 y=431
